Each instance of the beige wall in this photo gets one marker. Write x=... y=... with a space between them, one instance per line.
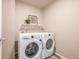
x=8 y=17
x=0 y=17
x=22 y=11
x=62 y=18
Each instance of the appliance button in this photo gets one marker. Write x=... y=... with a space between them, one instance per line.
x=32 y=36
x=49 y=35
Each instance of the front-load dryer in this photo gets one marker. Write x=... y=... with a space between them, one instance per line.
x=29 y=47
x=48 y=44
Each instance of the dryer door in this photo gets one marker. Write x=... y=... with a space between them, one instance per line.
x=32 y=49
x=50 y=44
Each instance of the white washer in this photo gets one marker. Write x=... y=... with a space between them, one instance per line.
x=48 y=44
x=29 y=47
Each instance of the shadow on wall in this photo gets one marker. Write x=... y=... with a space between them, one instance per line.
x=12 y=55
x=53 y=1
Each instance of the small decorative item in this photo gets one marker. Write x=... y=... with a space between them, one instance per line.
x=33 y=19
x=27 y=21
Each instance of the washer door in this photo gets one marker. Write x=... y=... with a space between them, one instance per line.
x=32 y=49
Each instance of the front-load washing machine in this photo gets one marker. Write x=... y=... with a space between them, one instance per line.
x=29 y=47
x=48 y=44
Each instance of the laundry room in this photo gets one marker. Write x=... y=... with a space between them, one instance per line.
x=34 y=23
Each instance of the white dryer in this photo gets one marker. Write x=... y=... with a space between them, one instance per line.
x=30 y=46
x=48 y=44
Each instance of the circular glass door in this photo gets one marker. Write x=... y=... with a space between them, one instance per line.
x=49 y=44
x=31 y=50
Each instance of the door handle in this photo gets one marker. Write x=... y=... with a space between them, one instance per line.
x=2 y=39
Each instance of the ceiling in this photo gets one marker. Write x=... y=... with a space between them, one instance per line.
x=38 y=3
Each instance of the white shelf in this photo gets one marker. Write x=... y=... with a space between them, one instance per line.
x=31 y=28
